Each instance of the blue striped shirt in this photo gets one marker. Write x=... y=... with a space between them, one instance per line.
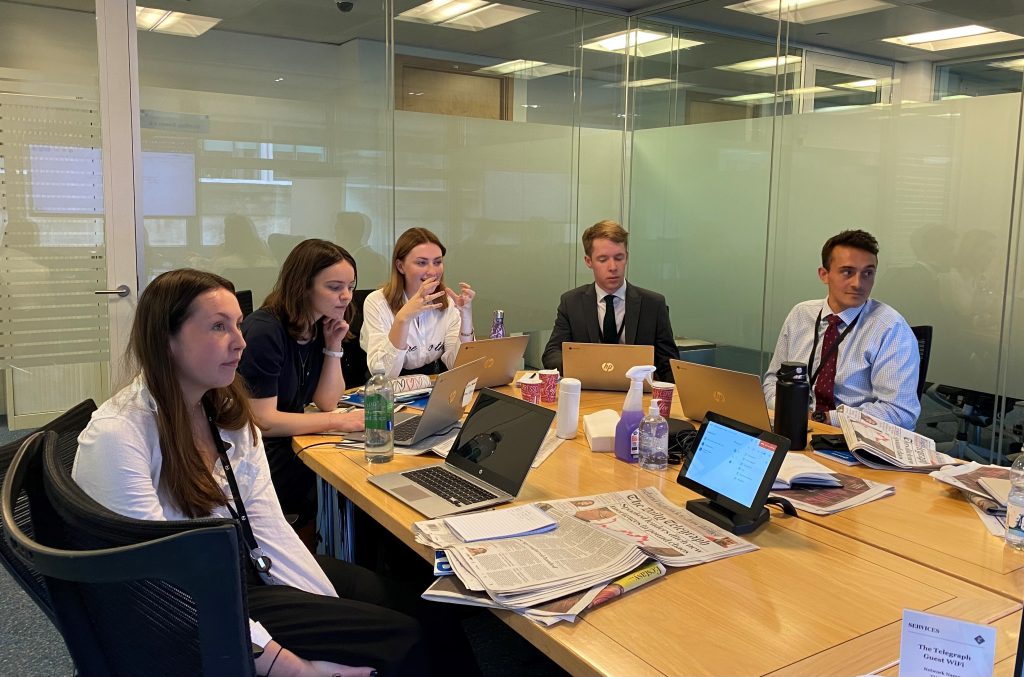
x=878 y=361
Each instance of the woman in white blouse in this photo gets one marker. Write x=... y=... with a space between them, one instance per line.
x=414 y=324
x=162 y=449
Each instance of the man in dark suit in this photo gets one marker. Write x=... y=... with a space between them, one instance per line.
x=638 y=317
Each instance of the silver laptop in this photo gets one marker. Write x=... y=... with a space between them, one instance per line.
x=448 y=399
x=501 y=358
x=486 y=466
x=603 y=366
x=731 y=393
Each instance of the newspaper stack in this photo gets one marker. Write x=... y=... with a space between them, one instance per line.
x=599 y=539
x=884 y=446
x=830 y=500
x=965 y=478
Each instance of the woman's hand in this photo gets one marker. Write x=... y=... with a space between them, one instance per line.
x=464 y=299
x=347 y=422
x=335 y=331
x=421 y=301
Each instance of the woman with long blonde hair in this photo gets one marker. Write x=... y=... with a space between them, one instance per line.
x=414 y=324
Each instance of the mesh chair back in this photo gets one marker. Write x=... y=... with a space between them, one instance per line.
x=68 y=426
x=131 y=597
x=244 y=301
x=923 y=334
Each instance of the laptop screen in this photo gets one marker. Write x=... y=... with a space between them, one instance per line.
x=500 y=439
x=730 y=462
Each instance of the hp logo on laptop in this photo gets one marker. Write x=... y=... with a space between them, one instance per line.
x=607 y=366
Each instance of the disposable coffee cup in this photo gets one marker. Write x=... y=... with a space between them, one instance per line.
x=531 y=389
x=549 y=385
x=663 y=392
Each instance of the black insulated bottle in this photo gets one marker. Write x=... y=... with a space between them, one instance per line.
x=792 y=401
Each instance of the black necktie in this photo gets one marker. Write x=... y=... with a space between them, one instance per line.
x=610 y=334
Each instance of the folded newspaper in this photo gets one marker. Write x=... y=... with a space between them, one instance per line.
x=885 y=446
x=829 y=500
x=598 y=539
x=966 y=478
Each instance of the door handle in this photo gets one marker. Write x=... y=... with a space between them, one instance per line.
x=121 y=291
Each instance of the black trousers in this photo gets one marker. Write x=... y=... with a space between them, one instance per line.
x=361 y=627
x=294 y=481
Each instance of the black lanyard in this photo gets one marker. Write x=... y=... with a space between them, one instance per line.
x=834 y=348
x=260 y=561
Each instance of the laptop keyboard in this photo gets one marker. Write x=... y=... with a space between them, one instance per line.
x=406 y=430
x=448 y=485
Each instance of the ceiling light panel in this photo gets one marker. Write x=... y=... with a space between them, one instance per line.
x=809 y=11
x=639 y=42
x=953 y=38
x=466 y=15
x=173 y=23
x=766 y=66
x=523 y=69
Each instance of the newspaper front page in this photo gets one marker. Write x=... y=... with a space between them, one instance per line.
x=881 y=445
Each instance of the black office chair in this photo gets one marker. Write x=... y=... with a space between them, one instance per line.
x=244 y=301
x=923 y=334
x=68 y=426
x=130 y=597
x=353 y=365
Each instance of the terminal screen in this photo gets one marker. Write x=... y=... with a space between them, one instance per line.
x=730 y=463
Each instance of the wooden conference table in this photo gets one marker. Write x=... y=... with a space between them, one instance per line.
x=820 y=596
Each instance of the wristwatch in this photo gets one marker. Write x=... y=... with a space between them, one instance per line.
x=257 y=651
x=334 y=353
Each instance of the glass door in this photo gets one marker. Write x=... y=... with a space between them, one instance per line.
x=56 y=331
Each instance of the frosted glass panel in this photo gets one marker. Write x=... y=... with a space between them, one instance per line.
x=698 y=221
x=278 y=140
x=498 y=194
x=53 y=328
x=934 y=183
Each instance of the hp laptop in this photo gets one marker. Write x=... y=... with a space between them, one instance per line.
x=730 y=393
x=448 y=399
x=487 y=464
x=603 y=366
x=501 y=359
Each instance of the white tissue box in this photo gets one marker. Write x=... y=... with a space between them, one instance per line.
x=599 y=428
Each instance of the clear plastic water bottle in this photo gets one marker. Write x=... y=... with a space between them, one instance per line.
x=498 y=325
x=653 y=439
x=1015 y=506
x=379 y=408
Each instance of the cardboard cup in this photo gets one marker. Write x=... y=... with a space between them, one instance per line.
x=531 y=389
x=663 y=392
x=549 y=385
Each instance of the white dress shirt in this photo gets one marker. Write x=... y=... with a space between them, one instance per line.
x=619 y=303
x=119 y=465
x=432 y=335
x=877 y=366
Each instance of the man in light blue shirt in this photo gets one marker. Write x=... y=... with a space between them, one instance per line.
x=866 y=357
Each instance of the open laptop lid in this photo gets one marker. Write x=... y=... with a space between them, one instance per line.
x=732 y=393
x=499 y=440
x=449 y=398
x=501 y=358
x=603 y=366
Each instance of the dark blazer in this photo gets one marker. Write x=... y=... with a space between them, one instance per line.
x=646 y=323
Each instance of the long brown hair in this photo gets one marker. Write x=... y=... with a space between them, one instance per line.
x=289 y=299
x=163 y=308
x=395 y=287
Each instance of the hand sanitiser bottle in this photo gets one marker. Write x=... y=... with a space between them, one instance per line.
x=626 y=436
x=653 y=439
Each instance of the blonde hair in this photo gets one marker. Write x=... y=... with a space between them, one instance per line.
x=395 y=288
x=604 y=230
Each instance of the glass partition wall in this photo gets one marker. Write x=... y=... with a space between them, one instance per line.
x=856 y=121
